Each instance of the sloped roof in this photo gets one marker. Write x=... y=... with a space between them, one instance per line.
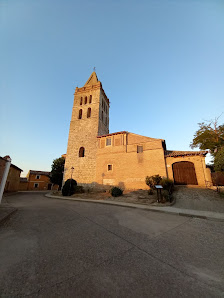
x=11 y=165
x=111 y=134
x=32 y=172
x=172 y=153
x=23 y=179
x=92 y=80
x=127 y=132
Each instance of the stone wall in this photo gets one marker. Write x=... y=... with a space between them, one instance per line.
x=83 y=133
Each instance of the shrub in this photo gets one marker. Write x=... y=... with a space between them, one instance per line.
x=116 y=191
x=167 y=195
x=69 y=187
x=167 y=184
x=218 y=178
x=153 y=180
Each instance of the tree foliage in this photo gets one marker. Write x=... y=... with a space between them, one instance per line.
x=209 y=136
x=57 y=169
x=219 y=161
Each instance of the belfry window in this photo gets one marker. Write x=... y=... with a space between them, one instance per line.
x=81 y=152
x=80 y=101
x=102 y=116
x=90 y=99
x=85 y=100
x=89 y=113
x=80 y=114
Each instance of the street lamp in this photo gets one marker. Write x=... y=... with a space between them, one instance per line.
x=72 y=169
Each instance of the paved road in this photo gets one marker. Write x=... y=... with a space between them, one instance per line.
x=54 y=248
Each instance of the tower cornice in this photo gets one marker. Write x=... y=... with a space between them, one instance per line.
x=91 y=87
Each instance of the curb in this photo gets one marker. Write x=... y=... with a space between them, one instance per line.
x=192 y=213
x=2 y=220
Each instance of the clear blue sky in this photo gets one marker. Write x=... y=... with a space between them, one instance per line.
x=161 y=63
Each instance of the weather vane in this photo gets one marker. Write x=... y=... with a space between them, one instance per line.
x=94 y=68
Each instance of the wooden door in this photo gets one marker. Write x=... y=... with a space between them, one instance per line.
x=184 y=173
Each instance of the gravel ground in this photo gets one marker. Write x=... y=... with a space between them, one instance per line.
x=198 y=199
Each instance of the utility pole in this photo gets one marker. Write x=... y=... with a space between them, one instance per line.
x=5 y=175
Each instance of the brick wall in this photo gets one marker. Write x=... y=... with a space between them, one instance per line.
x=129 y=168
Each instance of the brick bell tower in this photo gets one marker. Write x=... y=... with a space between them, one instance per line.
x=90 y=118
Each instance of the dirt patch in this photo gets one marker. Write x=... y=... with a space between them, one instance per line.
x=135 y=197
x=198 y=199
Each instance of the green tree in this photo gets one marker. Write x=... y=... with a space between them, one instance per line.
x=57 y=169
x=209 y=136
x=219 y=161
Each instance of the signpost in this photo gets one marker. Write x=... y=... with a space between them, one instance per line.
x=159 y=193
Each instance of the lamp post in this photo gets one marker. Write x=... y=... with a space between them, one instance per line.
x=72 y=169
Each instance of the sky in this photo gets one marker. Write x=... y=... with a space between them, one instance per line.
x=161 y=64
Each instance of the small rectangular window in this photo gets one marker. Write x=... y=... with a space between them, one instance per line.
x=139 y=149
x=36 y=185
x=37 y=176
x=108 y=142
x=109 y=167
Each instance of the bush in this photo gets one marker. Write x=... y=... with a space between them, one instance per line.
x=116 y=191
x=69 y=187
x=167 y=184
x=218 y=178
x=153 y=180
x=167 y=195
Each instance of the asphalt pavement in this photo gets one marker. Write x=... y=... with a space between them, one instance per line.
x=56 y=248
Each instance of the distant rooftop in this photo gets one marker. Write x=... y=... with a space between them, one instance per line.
x=32 y=172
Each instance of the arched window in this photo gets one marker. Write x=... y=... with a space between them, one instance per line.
x=85 y=100
x=80 y=101
x=89 y=113
x=81 y=152
x=102 y=115
x=106 y=121
x=80 y=114
x=90 y=99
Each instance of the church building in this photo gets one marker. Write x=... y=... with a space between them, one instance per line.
x=97 y=158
